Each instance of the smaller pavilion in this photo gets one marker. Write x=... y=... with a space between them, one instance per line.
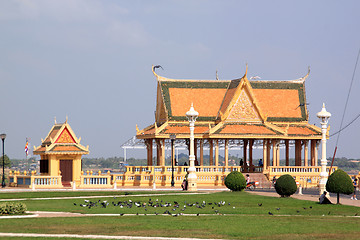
x=61 y=153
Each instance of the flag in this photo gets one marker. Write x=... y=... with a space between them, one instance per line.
x=26 y=147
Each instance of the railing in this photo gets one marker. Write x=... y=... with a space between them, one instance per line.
x=34 y=181
x=46 y=181
x=305 y=176
x=145 y=176
x=95 y=181
x=298 y=169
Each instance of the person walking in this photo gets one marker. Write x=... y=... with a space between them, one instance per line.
x=355 y=186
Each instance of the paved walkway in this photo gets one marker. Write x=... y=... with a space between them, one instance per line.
x=310 y=195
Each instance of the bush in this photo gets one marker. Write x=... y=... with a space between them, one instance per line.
x=235 y=181
x=285 y=185
x=339 y=182
x=12 y=209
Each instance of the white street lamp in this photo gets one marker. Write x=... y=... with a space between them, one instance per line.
x=192 y=178
x=324 y=117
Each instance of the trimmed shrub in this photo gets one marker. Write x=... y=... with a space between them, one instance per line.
x=12 y=209
x=285 y=185
x=235 y=181
x=339 y=182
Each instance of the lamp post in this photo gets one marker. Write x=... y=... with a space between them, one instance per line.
x=192 y=115
x=172 y=137
x=3 y=136
x=324 y=117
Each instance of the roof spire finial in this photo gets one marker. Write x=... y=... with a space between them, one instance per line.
x=246 y=71
x=66 y=119
x=55 y=119
x=306 y=76
x=217 y=76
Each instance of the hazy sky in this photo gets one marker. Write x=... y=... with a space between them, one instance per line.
x=91 y=61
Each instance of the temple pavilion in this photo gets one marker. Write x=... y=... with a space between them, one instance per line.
x=61 y=154
x=241 y=113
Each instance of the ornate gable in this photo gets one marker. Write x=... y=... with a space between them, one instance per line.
x=243 y=110
x=242 y=107
x=61 y=140
x=65 y=137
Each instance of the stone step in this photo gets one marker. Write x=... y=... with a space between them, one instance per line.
x=261 y=178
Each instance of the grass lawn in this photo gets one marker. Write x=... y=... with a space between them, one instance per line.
x=242 y=219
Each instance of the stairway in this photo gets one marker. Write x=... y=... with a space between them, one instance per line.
x=261 y=178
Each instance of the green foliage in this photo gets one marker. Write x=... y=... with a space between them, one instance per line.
x=339 y=182
x=235 y=181
x=285 y=185
x=7 y=161
x=12 y=208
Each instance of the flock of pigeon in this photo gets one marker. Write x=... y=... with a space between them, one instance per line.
x=158 y=207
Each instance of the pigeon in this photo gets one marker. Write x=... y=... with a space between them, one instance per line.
x=270 y=213
x=74 y=204
x=121 y=214
x=278 y=209
x=259 y=204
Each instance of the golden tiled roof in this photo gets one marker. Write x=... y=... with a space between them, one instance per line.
x=61 y=140
x=232 y=107
x=206 y=100
x=279 y=102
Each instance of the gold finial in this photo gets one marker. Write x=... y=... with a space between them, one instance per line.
x=137 y=129
x=246 y=71
x=55 y=120
x=66 y=119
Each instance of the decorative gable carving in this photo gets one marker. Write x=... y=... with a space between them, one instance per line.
x=243 y=109
x=65 y=137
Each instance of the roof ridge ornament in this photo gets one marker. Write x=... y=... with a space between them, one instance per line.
x=302 y=80
x=246 y=69
x=159 y=78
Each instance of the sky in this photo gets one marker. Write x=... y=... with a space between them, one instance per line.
x=91 y=61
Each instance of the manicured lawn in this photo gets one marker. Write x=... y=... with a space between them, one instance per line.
x=242 y=219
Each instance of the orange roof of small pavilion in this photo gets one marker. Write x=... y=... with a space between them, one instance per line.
x=61 y=140
x=232 y=108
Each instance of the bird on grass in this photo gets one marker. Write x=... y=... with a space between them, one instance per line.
x=259 y=204
x=270 y=213
x=278 y=209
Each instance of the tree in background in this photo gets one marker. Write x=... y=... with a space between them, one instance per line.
x=7 y=161
x=339 y=182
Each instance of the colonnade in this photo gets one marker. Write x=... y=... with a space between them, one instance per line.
x=271 y=152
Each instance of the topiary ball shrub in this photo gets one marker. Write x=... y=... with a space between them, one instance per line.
x=339 y=182
x=285 y=185
x=235 y=181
